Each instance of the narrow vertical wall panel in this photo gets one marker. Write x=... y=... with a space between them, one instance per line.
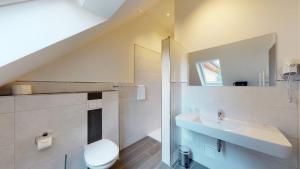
x=179 y=62
x=179 y=74
x=7 y=132
x=298 y=103
x=166 y=97
x=110 y=116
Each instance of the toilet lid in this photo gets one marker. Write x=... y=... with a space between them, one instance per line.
x=101 y=152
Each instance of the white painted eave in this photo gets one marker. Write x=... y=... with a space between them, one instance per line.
x=11 y=2
x=40 y=56
x=102 y=8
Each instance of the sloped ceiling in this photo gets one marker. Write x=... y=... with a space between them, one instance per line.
x=34 y=25
x=102 y=8
x=10 y=2
x=23 y=55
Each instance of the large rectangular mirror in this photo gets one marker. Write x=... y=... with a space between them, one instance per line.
x=250 y=62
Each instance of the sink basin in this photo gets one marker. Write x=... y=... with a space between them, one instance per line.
x=261 y=138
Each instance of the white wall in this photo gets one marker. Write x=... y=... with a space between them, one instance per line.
x=208 y=23
x=179 y=69
x=37 y=32
x=14 y=70
x=259 y=105
x=174 y=72
x=166 y=99
x=108 y=59
x=113 y=58
x=179 y=60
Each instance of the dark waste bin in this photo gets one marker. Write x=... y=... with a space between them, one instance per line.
x=184 y=156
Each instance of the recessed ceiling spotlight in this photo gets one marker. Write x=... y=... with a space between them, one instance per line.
x=168 y=14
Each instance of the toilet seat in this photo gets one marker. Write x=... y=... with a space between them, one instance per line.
x=101 y=153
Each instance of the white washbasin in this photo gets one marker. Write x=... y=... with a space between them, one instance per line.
x=261 y=138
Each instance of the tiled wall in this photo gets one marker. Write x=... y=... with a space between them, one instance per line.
x=7 y=132
x=176 y=99
x=63 y=115
x=139 y=118
x=110 y=116
x=58 y=87
x=23 y=118
x=132 y=112
x=263 y=105
x=298 y=122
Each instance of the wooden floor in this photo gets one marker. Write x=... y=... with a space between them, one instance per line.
x=145 y=154
x=194 y=165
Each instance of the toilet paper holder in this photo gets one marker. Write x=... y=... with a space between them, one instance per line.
x=44 y=141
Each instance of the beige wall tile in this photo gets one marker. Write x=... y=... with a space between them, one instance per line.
x=44 y=101
x=6 y=104
x=66 y=124
x=7 y=157
x=110 y=116
x=6 y=129
x=139 y=118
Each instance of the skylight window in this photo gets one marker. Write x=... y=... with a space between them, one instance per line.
x=210 y=73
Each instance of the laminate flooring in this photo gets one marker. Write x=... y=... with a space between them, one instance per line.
x=145 y=154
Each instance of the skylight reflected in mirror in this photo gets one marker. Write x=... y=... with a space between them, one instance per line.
x=210 y=73
x=250 y=62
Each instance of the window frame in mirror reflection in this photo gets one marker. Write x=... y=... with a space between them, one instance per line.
x=250 y=62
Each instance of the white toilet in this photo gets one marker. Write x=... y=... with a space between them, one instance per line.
x=101 y=154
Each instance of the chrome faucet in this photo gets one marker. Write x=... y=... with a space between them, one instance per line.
x=221 y=115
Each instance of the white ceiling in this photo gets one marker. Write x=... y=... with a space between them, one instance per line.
x=10 y=2
x=164 y=13
x=34 y=25
x=35 y=59
x=103 y=8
